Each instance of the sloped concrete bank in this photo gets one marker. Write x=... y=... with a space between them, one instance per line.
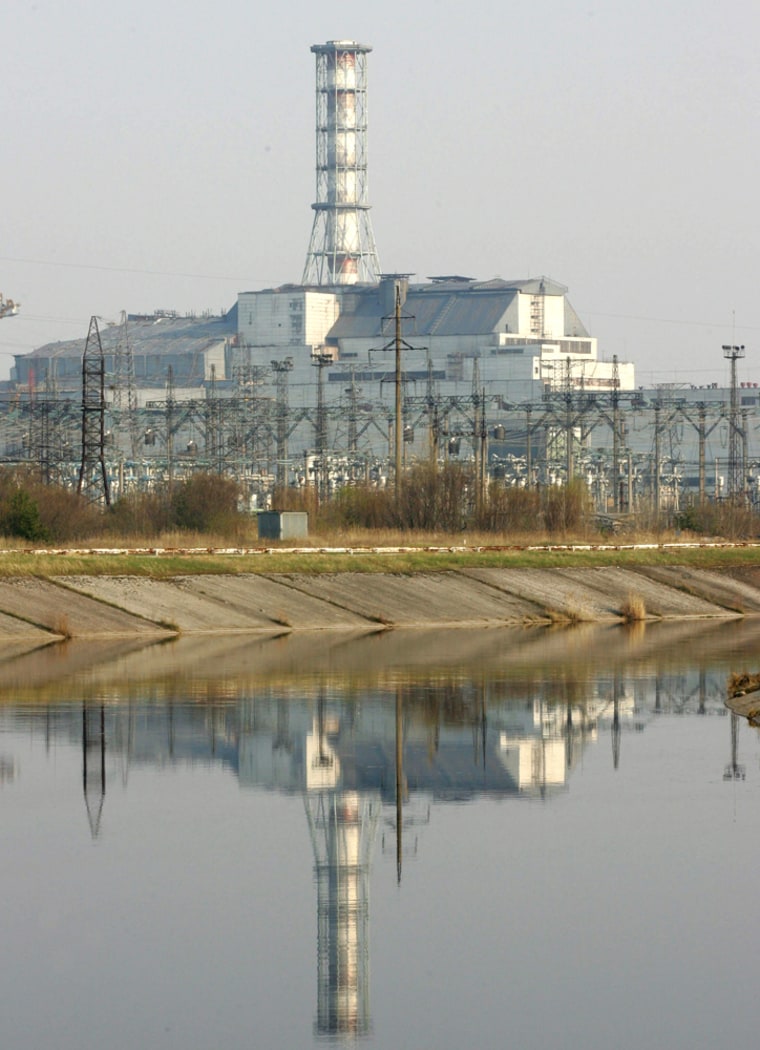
x=137 y=607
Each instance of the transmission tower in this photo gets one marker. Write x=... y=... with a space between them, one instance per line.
x=320 y=360
x=353 y=415
x=479 y=435
x=432 y=404
x=93 y=476
x=616 y=434
x=281 y=371
x=42 y=413
x=125 y=397
x=169 y=413
x=397 y=345
x=735 y=480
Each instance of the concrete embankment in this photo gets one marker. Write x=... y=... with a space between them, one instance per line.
x=113 y=607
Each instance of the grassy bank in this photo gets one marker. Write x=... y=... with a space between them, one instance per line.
x=165 y=563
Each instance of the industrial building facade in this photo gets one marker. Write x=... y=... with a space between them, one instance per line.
x=524 y=335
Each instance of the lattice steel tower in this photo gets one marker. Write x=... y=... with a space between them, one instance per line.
x=736 y=475
x=93 y=475
x=342 y=247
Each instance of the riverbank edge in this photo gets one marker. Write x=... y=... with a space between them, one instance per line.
x=55 y=607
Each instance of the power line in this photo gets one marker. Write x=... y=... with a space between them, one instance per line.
x=248 y=279
x=135 y=270
x=671 y=320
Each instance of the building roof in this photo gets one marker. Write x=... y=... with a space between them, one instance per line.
x=447 y=306
x=158 y=333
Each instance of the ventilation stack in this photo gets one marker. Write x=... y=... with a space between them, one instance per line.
x=342 y=247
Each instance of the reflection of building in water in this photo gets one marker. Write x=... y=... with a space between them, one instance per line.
x=457 y=742
x=461 y=737
x=356 y=755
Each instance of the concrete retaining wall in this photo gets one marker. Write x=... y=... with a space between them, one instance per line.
x=130 y=606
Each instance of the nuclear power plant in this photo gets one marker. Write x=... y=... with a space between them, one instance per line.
x=354 y=374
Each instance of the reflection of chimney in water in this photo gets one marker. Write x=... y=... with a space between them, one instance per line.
x=343 y=826
x=94 y=763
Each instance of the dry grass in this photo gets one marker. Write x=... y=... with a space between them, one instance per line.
x=633 y=609
x=572 y=614
x=61 y=626
x=740 y=683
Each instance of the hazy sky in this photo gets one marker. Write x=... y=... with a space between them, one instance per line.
x=160 y=155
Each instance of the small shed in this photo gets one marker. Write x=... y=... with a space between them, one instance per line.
x=283 y=524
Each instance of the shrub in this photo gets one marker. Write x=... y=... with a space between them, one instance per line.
x=304 y=499
x=509 y=510
x=359 y=507
x=433 y=498
x=730 y=518
x=67 y=516
x=141 y=514
x=205 y=503
x=567 y=508
x=21 y=517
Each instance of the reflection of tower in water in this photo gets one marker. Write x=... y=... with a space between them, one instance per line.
x=343 y=826
x=94 y=763
x=734 y=770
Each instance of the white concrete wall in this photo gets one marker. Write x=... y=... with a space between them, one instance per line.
x=553 y=315
x=321 y=313
x=285 y=318
x=214 y=355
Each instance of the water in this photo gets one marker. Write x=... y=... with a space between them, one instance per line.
x=201 y=842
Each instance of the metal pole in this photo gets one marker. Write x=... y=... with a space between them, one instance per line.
x=483 y=450
x=702 y=492
x=743 y=489
x=630 y=482
x=399 y=428
x=528 y=450
x=615 y=436
x=657 y=466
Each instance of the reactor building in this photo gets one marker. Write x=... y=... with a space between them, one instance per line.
x=520 y=337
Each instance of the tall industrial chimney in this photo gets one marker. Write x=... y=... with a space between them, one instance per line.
x=342 y=247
